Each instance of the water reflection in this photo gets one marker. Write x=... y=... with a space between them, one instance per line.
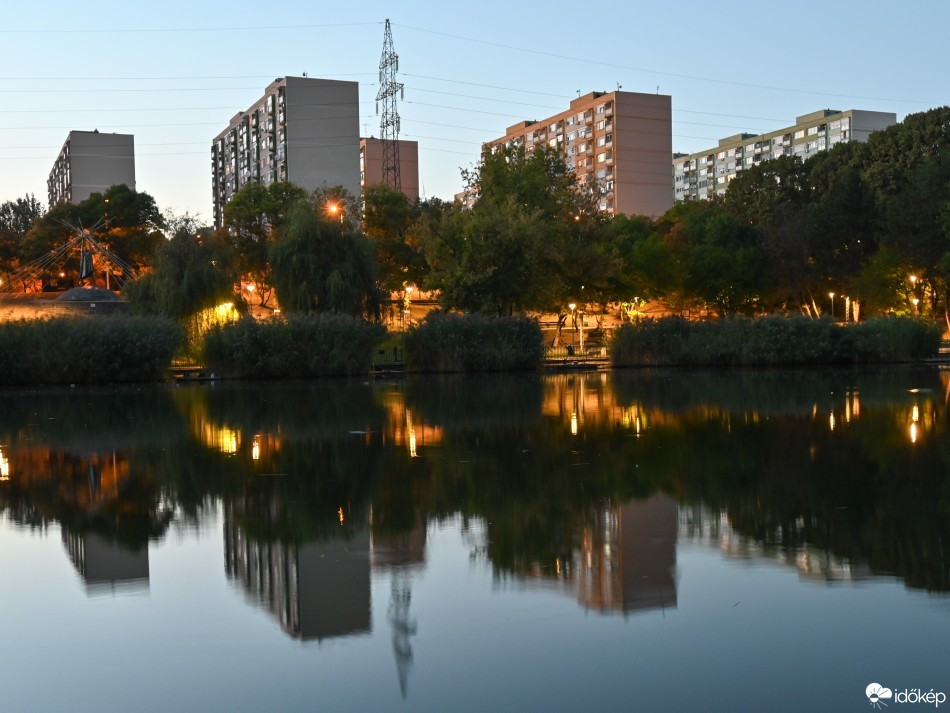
x=316 y=590
x=585 y=483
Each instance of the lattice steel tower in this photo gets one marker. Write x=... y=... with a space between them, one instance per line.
x=389 y=122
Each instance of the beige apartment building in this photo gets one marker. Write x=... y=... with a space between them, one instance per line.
x=619 y=143
x=371 y=166
x=303 y=130
x=91 y=162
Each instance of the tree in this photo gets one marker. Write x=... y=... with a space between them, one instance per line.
x=322 y=263
x=16 y=219
x=129 y=225
x=532 y=240
x=190 y=274
x=721 y=258
x=390 y=221
x=253 y=219
x=894 y=153
x=914 y=226
x=759 y=195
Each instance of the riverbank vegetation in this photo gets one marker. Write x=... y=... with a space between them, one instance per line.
x=75 y=350
x=772 y=341
x=446 y=342
x=297 y=346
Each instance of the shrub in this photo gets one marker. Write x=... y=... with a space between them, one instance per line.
x=446 y=342
x=77 y=350
x=774 y=340
x=297 y=346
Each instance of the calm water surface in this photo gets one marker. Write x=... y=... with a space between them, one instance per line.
x=651 y=540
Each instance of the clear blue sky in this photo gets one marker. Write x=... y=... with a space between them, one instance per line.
x=173 y=73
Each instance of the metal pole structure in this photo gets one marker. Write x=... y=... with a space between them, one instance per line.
x=389 y=121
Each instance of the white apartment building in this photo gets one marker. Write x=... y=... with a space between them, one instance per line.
x=700 y=175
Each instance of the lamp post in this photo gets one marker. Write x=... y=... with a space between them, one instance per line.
x=916 y=302
x=407 y=303
x=572 y=306
x=832 y=296
x=336 y=209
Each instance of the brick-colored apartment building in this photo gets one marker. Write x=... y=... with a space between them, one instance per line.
x=619 y=141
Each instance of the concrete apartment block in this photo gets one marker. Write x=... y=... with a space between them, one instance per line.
x=303 y=130
x=371 y=165
x=700 y=175
x=91 y=162
x=619 y=143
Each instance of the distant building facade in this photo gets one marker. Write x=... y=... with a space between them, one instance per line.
x=700 y=175
x=371 y=166
x=303 y=130
x=618 y=142
x=91 y=162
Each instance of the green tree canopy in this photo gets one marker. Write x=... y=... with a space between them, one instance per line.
x=322 y=263
x=129 y=225
x=533 y=239
x=190 y=274
x=391 y=220
x=16 y=219
x=253 y=219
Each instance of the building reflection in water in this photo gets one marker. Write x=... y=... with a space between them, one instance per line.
x=105 y=566
x=702 y=526
x=627 y=559
x=319 y=590
x=316 y=590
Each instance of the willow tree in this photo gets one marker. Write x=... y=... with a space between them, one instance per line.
x=321 y=262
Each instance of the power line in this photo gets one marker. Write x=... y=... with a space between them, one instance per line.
x=648 y=70
x=144 y=30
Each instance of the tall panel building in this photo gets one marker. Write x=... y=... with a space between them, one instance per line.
x=303 y=130
x=371 y=165
x=90 y=162
x=703 y=174
x=620 y=141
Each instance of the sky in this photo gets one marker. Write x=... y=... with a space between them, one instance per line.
x=174 y=73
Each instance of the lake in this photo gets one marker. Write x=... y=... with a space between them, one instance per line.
x=652 y=540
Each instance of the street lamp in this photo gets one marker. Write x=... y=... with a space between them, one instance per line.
x=916 y=302
x=572 y=306
x=336 y=209
x=407 y=302
x=832 y=296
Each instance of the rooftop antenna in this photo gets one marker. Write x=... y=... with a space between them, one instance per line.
x=389 y=121
x=657 y=88
x=619 y=86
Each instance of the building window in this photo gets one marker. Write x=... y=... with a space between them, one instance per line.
x=601 y=157
x=800 y=134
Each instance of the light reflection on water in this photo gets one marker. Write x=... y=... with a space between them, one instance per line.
x=448 y=531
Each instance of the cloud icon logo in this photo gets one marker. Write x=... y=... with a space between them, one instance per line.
x=876 y=694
